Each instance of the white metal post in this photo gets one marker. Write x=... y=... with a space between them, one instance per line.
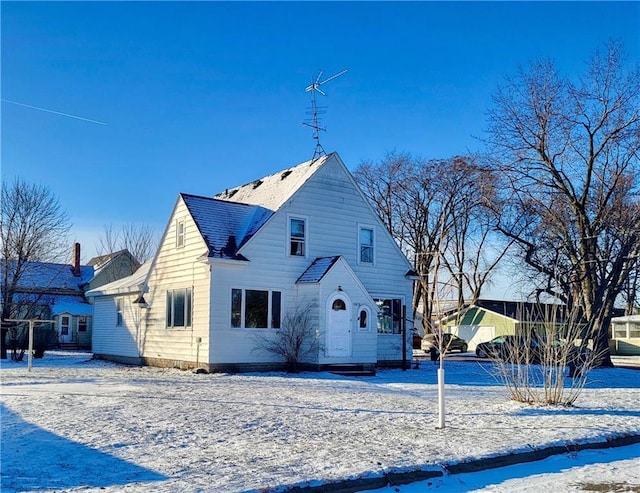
x=441 y=397
x=30 y=355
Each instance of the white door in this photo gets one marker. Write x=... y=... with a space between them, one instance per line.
x=65 y=328
x=338 y=328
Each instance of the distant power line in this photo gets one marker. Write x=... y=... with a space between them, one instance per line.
x=52 y=111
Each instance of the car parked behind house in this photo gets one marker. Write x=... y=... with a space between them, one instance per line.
x=450 y=342
x=499 y=347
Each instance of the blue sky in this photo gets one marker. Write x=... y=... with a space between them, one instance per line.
x=197 y=97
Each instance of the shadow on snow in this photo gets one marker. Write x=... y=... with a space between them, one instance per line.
x=35 y=459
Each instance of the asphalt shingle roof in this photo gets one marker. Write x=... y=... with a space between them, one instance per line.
x=317 y=270
x=225 y=226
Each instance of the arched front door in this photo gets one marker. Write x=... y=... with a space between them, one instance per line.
x=338 y=326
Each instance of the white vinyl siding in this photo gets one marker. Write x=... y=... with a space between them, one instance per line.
x=109 y=339
x=177 y=268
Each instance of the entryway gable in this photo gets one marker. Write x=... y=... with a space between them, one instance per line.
x=348 y=315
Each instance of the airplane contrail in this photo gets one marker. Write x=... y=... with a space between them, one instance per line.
x=52 y=111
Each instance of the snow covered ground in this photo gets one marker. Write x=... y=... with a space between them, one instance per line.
x=75 y=424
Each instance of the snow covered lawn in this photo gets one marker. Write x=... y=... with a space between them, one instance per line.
x=76 y=424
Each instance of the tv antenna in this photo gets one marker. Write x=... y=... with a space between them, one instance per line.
x=315 y=111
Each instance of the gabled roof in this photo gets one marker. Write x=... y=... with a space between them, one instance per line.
x=274 y=190
x=74 y=305
x=225 y=226
x=518 y=311
x=627 y=319
x=129 y=284
x=48 y=276
x=317 y=270
x=102 y=261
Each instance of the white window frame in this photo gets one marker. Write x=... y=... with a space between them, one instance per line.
x=180 y=233
x=119 y=312
x=66 y=326
x=243 y=306
x=170 y=310
x=367 y=227
x=367 y=326
x=305 y=219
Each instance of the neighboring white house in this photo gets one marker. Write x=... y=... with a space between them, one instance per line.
x=54 y=291
x=625 y=335
x=230 y=267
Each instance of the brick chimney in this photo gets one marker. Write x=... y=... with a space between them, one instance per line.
x=76 y=260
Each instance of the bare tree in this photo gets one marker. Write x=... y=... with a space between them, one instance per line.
x=570 y=154
x=33 y=228
x=140 y=239
x=534 y=364
x=295 y=340
x=437 y=211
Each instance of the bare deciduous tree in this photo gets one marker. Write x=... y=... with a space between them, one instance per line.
x=295 y=340
x=437 y=211
x=570 y=153
x=140 y=239
x=33 y=228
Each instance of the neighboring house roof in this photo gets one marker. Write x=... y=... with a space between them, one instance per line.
x=627 y=319
x=317 y=270
x=129 y=284
x=100 y=262
x=75 y=305
x=51 y=278
x=225 y=226
x=274 y=190
x=518 y=311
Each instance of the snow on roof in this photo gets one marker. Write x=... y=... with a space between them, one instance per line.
x=74 y=305
x=274 y=190
x=126 y=284
x=48 y=275
x=317 y=270
x=628 y=318
x=225 y=226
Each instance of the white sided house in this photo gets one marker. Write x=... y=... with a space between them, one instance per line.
x=232 y=267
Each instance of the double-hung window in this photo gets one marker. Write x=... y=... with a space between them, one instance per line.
x=119 y=318
x=179 y=307
x=297 y=237
x=366 y=245
x=180 y=233
x=256 y=309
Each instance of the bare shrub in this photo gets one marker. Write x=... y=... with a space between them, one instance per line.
x=547 y=364
x=294 y=341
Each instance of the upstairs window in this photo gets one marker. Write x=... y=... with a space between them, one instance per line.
x=179 y=307
x=297 y=237
x=366 y=245
x=180 y=233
